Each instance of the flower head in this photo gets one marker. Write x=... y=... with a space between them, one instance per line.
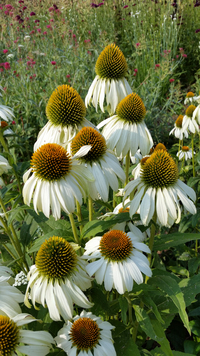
x=185 y=153
x=13 y=337
x=58 y=278
x=100 y=162
x=111 y=68
x=10 y=297
x=111 y=63
x=66 y=114
x=189 y=98
x=157 y=189
x=86 y=335
x=126 y=130
x=189 y=122
x=178 y=129
x=57 y=180
x=4 y=165
x=117 y=260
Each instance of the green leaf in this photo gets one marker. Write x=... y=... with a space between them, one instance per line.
x=124 y=344
x=164 y=242
x=41 y=219
x=158 y=352
x=190 y=288
x=195 y=327
x=193 y=264
x=179 y=270
x=124 y=308
x=61 y=233
x=92 y=228
x=130 y=349
x=148 y=301
x=152 y=329
x=171 y=287
x=192 y=347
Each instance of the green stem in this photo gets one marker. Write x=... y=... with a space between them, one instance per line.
x=127 y=167
x=74 y=229
x=193 y=154
x=151 y=242
x=3 y=142
x=90 y=207
x=14 y=240
x=182 y=165
x=114 y=201
x=79 y=214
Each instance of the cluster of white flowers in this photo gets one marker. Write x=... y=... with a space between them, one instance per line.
x=20 y=279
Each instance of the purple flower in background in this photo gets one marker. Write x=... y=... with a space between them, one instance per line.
x=94 y=5
x=196 y=31
x=32 y=13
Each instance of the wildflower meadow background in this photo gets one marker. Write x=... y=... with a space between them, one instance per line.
x=99 y=234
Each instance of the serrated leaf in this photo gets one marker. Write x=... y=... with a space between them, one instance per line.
x=165 y=242
x=172 y=289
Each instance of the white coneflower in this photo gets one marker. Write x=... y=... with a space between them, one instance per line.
x=65 y=111
x=189 y=122
x=190 y=98
x=57 y=180
x=86 y=335
x=185 y=153
x=117 y=260
x=177 y=131
x=58 y=278
x=16 y=341
x=110 y=82
x=102 y=163
x=158 y=189
x=126 y=131
x=10 y=297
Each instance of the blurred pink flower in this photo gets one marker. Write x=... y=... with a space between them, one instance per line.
x=45 y=33
x=6 y=12
x=7 y=65
x=8 y=7
x=136 y=70
x=184 y=55
x=13 y=122
x=39 y=30
x=68 y=75
x=32 y=13
x=137 y=44
x=5 y=51
x=157 y=65
x=51 y=20
x=53 y=63
x=125 y=6
x=171 y=80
